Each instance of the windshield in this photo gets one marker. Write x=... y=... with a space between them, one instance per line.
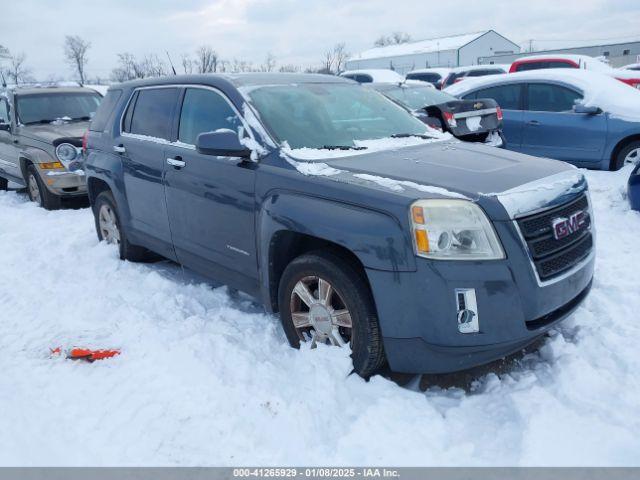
x=49 y=107
x=331 y=115
x=417 y=97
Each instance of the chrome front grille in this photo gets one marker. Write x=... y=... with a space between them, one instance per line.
x=553 y=256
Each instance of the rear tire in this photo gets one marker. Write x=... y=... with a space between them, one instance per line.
x=110 y=229
x=349 y=294
x=38 y=192
x=629 y=154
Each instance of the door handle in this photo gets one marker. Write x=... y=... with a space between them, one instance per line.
x=119 y=149
x=176 y=162
x=533 y=123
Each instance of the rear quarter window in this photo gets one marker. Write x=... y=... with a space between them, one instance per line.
x=105 y=110
x=151 y=113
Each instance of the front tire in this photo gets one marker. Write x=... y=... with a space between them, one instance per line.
x=38 y=193
x=629 y=154
x=324 y=299
x=110 y=230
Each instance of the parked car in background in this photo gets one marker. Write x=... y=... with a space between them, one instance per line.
x=373 y=75
x=634 y=188
x=434 y=76
x=470 y=121
x=540 y=62
x=333 y=206
x=461 y=73
x=41 y=133
x=580 y=116
x=632 y=66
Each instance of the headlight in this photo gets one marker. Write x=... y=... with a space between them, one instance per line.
x=66 y=152
x=453 y=230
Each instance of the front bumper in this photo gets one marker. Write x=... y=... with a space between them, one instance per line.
x=64 y=183
x=418 y=312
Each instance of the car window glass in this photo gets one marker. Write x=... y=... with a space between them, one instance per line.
x=205 y=111
x=105 y=110
x=507 y=96
x=4 y=111
x=424 y=77
x=453 y=78
x=364 y=78
x=153 y=111
x=544 y=97
x=48 y=107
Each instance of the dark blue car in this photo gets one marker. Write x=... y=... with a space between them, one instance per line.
x=339 y=210
x=634 y=188
x=579 y=116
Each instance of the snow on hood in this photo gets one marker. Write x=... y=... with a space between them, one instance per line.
x=370 y=146
x=600 y=89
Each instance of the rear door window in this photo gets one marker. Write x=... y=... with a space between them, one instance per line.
x=542 y=65
x=546 y=97
x=507 y=96
x=424 y=77
x=152 y=112
x=108 y=104
x=203 y=111
x=483 y=73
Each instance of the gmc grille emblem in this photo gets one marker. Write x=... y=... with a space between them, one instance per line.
x=563 y=227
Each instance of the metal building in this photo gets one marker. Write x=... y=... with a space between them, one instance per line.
x=617 y=54
x=453 y=51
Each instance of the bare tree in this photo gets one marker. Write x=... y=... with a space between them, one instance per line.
x=238 y=66
x=17 y=71
x=396 y=38
x=126 y=68
x=289 y=68
x=187 y=63
x=75 y=51
x=340 y=56
x=334 y=59
x=152 y=66
x=269 y=64
x=206 y=60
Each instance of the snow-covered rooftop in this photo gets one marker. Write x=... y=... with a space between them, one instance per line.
x=422 y=46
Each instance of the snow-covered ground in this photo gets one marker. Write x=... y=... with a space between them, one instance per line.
x=207 y=379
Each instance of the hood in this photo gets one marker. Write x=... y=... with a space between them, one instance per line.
x=465 y=168
x=50 y=132
x=456 y=169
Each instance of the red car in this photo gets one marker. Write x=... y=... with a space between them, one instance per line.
x=537 y=62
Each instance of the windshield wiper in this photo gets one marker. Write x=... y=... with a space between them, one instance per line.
x=341 y=147
x=81 y=119
x=407 y=135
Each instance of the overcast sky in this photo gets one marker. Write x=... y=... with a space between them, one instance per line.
x=295 y=31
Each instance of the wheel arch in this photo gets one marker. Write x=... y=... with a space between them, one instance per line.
x=364 y=237
x=620 y=146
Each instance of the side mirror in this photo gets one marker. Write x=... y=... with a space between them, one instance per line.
x=4 y=126
x=588 y=110
x=221 y=143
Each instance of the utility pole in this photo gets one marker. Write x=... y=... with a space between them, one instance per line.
x=531 y=45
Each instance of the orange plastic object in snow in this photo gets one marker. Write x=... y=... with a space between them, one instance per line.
x=86 y=354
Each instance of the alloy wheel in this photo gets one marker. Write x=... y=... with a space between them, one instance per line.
x=633 y=156
x=34 y=189
x=108 y=223
x=319 y=312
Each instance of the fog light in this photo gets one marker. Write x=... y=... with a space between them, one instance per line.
x=467 y=316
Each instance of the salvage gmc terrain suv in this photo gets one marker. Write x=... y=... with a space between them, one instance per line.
x=344 y=213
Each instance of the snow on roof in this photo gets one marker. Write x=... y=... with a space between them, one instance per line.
x=440 y=71
x=599 y=89
x=491 y=66
x=380 y=75
x=585 y=61
x=422 y=46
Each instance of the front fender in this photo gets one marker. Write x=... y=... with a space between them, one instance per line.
x=33 y=155
x=376 y=238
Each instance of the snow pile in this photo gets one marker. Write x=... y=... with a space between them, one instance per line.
x=207 y=379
